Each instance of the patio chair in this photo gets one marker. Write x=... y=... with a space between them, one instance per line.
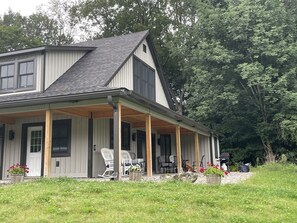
x=107 y=155
x=164 y=164
x=126 y=161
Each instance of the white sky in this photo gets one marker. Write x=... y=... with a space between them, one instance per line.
x=25 y=7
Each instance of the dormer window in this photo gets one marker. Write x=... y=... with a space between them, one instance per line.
x=26 y=74
x=17 y=75
x=7 y=77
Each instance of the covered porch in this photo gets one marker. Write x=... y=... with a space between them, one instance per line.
x=92 y=130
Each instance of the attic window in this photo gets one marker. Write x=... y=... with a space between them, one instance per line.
x=144 y=48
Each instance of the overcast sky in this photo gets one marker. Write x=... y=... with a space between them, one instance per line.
x=25 y=7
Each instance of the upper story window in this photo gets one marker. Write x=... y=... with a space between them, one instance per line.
x=17 y=75
x=26 y=74
x=7 y=76
x=144 y=79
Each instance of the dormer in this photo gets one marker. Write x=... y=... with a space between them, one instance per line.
x=34 y=70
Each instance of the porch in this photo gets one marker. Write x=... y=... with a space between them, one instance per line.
x=91 y=130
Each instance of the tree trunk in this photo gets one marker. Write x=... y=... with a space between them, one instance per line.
x=269 y=156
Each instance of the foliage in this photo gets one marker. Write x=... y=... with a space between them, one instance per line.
x=135 y=168
x=19 y=32
x=18 y=169
x=269 y=196
x=244 y=72
x=213 y=169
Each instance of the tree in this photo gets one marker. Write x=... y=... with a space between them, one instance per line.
x=19 y=32
x=245 y=56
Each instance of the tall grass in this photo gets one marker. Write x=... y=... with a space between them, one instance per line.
x=269 y=196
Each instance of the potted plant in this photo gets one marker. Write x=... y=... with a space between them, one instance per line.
x=213 y=173
x=135 y=172
x=17 y=172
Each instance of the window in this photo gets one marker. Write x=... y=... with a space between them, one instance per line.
x=26 y=74
x=144 y=79
x=125 y=131
x=61 y=141
x=17 y=75
x=7 y=77
x=144 y=48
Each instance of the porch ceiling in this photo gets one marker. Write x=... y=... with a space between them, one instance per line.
x=136 y=118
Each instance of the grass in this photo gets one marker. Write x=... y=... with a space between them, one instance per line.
x=269 y=196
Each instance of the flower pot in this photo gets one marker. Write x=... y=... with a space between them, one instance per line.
x=16 y=178
x=135 y=176
x=213 y=179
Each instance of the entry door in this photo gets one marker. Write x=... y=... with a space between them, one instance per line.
x=34 y=150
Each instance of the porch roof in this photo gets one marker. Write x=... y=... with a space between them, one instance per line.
x=166 y=119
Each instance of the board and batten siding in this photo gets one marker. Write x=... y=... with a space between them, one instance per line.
x=38 y=68
x=101 y=139
x=188 y=147
x=124 y=77
x=58 y=62
x=73 y=166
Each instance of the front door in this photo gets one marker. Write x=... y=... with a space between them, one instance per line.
x=34 y=150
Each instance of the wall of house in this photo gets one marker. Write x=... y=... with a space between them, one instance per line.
x=77 y=164
x=188 y=147
x=124 y=77
x=58 y=62
x=101 y=139
x=73 y=166
x=38 y=68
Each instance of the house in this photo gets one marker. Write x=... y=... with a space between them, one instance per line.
x=59 y=105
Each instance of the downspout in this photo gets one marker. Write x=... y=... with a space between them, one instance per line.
x=116 y=129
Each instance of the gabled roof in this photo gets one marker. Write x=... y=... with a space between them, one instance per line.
x=94 y=71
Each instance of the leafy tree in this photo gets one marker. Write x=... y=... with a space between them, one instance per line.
x=19 y=32
x=245 y=56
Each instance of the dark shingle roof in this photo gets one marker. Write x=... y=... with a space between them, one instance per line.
x=97 y=67
x=92 y=72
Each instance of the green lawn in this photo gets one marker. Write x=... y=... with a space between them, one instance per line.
x=269 y=196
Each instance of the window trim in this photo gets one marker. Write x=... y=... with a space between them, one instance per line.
x=16 y=75
x=68 y=122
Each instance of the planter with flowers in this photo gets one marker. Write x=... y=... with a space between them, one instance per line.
x=213 y=174
x=17 y=172
x=135 y=173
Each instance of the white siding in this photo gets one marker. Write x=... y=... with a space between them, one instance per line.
x=73 y=166
x=188 y=147
x=204 y=146
x=124 y=78
x=101 y=139
x=38 y=68
x=76 y=165
x=57 y=63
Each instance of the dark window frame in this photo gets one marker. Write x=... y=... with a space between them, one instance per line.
x=16 y=76
x=6 y=77
x=59 y=124
x=125 y=135
x=26 y=74
x=144 y=79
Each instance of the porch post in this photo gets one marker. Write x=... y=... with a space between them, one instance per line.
x=2 y=134
x=117 y=139
x=178 y=149
x=148 y=131
x=48 y=142
x=196 y=137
